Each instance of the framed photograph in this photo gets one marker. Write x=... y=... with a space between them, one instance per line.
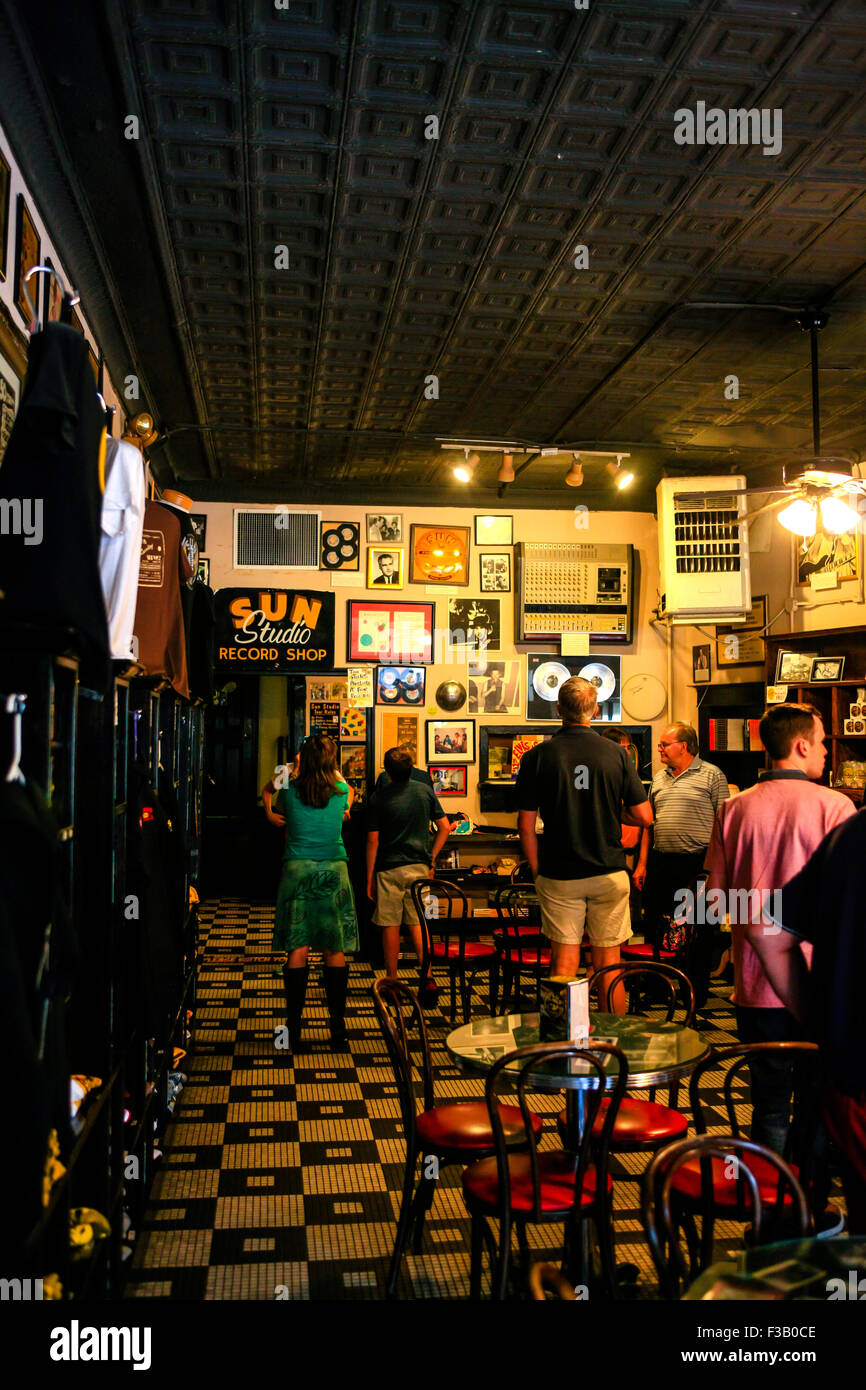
x=400 y=730
x=495 y=574
x=744 y=644
x=199 y=525
x=448 y=781
x=400 y=685
x=794 y=668
x=203 y=571
x=473 y=623
x=494 y=530
x=826 y=554
x=340 y=545
x=701 y=664
x=52 y=299
x=384 y=529
x=353 y=761
x=10 y=394
x=27 y=247
x=497 y=691
x=439 y=555
x=827 y=668
x=384 y=566
x=450 y=741
x=4 y=213
x=390 y=633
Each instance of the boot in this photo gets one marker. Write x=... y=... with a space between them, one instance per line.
x=336 y=985
x=295 y=983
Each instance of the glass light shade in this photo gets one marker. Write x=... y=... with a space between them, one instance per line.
x=801 y=517
x=836 y=516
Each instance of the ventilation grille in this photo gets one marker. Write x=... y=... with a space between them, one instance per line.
x=706 y=535
x=277 y=540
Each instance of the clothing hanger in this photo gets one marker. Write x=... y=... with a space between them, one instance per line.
x=15 y=705
x=69 y=299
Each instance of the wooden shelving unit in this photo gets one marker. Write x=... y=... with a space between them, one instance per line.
x=832 y=698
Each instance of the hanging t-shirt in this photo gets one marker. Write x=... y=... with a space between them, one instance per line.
x=186 y=580
x=120 y=542
x=51 y=480
x=159 y=615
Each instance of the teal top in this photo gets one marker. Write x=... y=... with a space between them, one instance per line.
x=313 y=832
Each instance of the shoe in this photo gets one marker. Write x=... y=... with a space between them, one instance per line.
x=336 y=986
x=295 y=985
x=428 y=995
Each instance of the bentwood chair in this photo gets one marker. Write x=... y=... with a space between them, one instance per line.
x=447 y=926
x=757 y=1177
x=437 y=1134
x=641 y=1124
x=523 y=950
x=710 y=1193
x=552 y=1187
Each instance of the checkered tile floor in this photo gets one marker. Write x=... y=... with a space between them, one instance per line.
x=283 y=1180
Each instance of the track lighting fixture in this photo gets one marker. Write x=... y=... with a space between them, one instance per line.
x=506 y=469
x=574 y=476
x=463 y=471
x=622 y=477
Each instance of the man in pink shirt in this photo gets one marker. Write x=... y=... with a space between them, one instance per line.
x=759 y=840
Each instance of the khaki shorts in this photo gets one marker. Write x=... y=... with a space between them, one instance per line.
x=600 y=903
x=393 y=896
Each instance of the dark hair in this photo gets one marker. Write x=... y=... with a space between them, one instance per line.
x=617 y=736
x=316 y=781
x=398 y=764
x=782 y=724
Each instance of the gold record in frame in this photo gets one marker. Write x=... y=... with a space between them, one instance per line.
x=440 y=555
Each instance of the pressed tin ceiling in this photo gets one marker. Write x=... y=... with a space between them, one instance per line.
x=304 y=128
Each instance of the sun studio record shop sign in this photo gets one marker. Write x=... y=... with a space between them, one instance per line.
x=274 y=630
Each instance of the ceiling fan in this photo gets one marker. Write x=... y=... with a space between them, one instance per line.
x=821 y=492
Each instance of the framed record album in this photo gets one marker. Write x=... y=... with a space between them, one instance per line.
x=341 y=545
x=545 y=674
x=439 y=555
x=400 y=685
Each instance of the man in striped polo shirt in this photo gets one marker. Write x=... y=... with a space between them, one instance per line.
x=685 y=794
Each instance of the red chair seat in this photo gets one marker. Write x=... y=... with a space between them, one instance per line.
x=557 y=1171
x=473 y=950
x=466 y=1125
x=527 y=955
x=516 y=929
x=637 y=1120
x=687 y=1181
x=644 y=951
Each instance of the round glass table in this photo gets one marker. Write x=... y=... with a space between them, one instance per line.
x=657 y=1053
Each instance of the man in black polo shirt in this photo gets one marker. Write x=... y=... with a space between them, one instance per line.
x=824 y=904
x=584 y=786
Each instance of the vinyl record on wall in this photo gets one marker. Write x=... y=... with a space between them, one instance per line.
x=341 y=545
x=545 y=675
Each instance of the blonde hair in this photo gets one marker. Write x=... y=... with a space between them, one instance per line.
x=577 y=700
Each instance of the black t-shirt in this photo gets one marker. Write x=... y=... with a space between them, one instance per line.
x=579 y=782
x=825 y=903
x=402 y=812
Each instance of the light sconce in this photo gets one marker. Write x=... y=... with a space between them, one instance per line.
x=506 y=469
x=574 y=476
x=622 y=478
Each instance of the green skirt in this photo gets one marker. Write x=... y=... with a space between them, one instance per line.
x=315 y=907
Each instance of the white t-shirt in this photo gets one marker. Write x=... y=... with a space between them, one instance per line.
x=120 y=543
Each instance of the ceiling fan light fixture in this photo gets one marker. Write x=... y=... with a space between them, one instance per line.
x=837 y=516
x=800 y=517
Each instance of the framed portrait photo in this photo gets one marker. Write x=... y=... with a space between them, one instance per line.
x=390 y=634
x=439 y=555
x=495 y=573
x=384 y=567
x=400 y=685
x=701 y=664
x=384 y=528
x=494 y=530
x=450 y=741
x=794 y=668
x=4 y=213
x=827 y=668
x=448 y=781
x=27 y=247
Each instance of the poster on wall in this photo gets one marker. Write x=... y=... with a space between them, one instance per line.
x=274 y=630
x=474 y=622
x=359 y=680
x=390 y=632
x=400 y=729
x=325 y=718
x=826 y=554
x=497 y=691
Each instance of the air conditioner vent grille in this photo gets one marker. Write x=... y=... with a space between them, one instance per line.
x=278 y=540
x=707 y=541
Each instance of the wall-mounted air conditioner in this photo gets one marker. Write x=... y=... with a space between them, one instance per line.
x=703 y=549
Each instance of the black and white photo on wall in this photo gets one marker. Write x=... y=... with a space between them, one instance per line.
x=545 y=674
x=199 y=525
x=701 y=664
x=474 y=621
x=384 y=529
x=495 y=573
x=448 y=781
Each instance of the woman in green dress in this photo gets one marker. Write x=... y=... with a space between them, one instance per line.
x=315 y=906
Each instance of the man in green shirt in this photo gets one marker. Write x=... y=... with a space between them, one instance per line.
x=399 y=852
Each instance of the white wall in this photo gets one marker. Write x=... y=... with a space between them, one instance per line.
x=645 y=655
